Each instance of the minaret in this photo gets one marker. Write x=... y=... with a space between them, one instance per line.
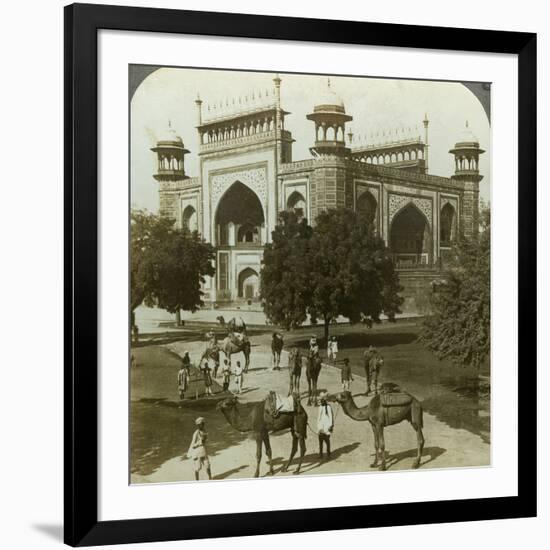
x=278 y=120
x=329 y=116
x=466 y=152
x=198 y=103
x=170 y=156
x=426 y=122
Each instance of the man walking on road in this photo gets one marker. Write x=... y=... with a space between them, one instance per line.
x=197 y=450
x=238 y=377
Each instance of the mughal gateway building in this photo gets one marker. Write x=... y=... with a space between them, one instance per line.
x=248 y=176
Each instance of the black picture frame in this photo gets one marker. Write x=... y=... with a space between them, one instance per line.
x=82 y=23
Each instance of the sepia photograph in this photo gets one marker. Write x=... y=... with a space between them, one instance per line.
x=309 y=274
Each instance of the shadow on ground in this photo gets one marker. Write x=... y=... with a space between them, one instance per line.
x=312 y=460
x=162 y=431
x=431 y=452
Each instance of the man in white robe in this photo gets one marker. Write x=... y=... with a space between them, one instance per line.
x=325 y=424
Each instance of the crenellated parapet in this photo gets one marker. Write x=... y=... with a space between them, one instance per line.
x=400 y=148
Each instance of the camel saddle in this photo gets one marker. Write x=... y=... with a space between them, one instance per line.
x=394 y=399
x=277 y=404
x=238 y=338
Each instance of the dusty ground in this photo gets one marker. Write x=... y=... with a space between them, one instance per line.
x=162 y=427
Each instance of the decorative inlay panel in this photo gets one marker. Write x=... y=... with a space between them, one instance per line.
x=450 y=200
x=397 y=202
x=374 y=191
x=254 y=178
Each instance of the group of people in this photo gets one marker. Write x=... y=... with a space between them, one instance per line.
x=184 y=375
x=372 y=359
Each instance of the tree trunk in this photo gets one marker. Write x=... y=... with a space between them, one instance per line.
x=178 y=318
x=132 y=319
x=327 y=326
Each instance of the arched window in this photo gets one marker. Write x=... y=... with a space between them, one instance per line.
x=447 y=225
x=248 y=233
x=367 y=207
x=189 y=218
x=297 y=204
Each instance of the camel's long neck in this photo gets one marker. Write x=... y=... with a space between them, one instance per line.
x=355 y=412
x=236 y=420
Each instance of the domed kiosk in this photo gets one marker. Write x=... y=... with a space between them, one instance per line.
x=329 y=116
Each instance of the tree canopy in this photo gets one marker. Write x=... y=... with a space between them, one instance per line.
x=284 y=285
x=338 y=267
x=168 y=265
x=459 y=327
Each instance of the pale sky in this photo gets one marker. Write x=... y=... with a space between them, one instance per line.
x=377 y=105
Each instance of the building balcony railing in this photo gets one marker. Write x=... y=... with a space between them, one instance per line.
x=404 y=261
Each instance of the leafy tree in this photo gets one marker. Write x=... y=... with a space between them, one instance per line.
x=351 y=271
x=168 y=265
x=460 y=324
x=285 y=287
x=338 y=267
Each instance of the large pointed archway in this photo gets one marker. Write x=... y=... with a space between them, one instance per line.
x=239 y=217
x=410 y=238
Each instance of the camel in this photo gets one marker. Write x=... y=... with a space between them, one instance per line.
x=294 y=371
x=313 y=370
x=277 y=344
x=402 y=406
x=260 y=418
x=373 y=364
x=235 y=324
x=229 y=346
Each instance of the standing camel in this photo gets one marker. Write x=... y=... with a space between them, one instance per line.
x=373 y=364
x=294 y=371
x=229 y=346
x=260 y=419
x=313 y=370
x=235 y=324
x=386 y=410
x=277 y=344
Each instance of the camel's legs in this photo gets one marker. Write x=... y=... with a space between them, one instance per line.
x=258 y=454
x=292 y=451
x=376 y=445
x=267 y=445
x=382 y=448
x=315 y=391
x=419 y=446
x=302 y=443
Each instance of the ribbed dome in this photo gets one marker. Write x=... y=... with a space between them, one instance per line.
x=329 y=101
x=467 y=136
x=170 y=136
